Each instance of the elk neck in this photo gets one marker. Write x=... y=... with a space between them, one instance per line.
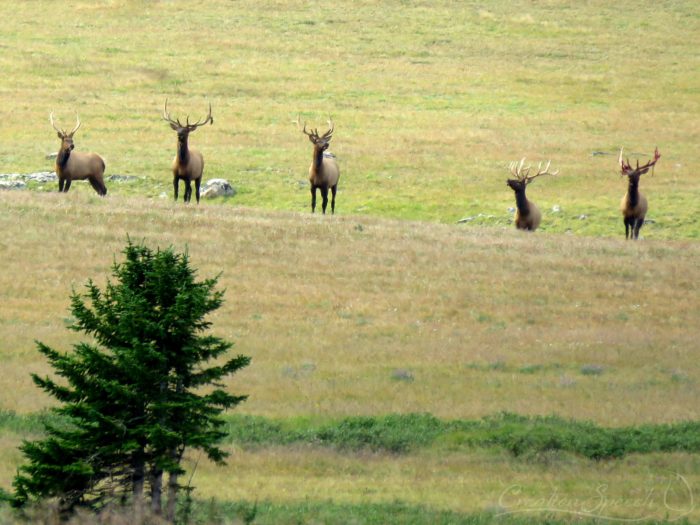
x=318 y=159
x=521 y=202
x=183 y=151
x=62 y=157
x=633 y=192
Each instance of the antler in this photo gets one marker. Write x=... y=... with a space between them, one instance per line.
x=521 y=172
x=518 y=171
x=191 y=127
x=54 y=125
x=328 y=135
x=63 y=132
x=208 y=118
x=77 y=125
x=166 y=116
x=313 y=134
x=627 y=169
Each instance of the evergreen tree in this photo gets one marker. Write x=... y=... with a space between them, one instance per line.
x=133 y=403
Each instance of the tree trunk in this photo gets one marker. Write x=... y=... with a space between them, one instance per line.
x=137 y=482
x=157 y=491
x=173 y=488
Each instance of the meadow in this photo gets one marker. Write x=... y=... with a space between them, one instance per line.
x=389 y=307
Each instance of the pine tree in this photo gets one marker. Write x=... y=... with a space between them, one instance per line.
x=133 y=403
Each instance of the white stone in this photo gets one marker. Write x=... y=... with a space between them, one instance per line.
x=217 y=188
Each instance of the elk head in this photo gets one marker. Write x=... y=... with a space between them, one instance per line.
x=183 y=130
x=66 y=138
x=634 y=173
x=319 y=141
x=522 y=174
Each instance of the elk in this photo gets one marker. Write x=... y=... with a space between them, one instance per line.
x=188 y=164
x=323 y=172
x=634 y=204
x=527 y=215
x=72 y=166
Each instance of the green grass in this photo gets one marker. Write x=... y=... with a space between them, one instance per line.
x=431 y=101
x=522 y=436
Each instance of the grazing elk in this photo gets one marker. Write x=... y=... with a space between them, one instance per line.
x=527 y=215
x=72 y=166
x=323 y=172
x=634 y=204
x=188 y=164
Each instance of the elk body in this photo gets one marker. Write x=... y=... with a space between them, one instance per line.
x=527 y=215
x=188 y=164
x=72 y=165
x=634 y=204
x=323 y=172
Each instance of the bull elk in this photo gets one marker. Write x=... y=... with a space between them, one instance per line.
x=323 y=172
x=188 y=164
x=527 y=215
x=72 y=166
x=634 y=204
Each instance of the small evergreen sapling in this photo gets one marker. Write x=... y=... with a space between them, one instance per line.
x=132 y=401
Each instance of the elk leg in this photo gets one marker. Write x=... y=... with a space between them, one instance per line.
x=333 y=190
x=197 y=183
x=324 y=194
x=628 y=227
x=95 y=185
x=176 y=183
x=313 y=198
x=67 y=185
x=61 y=182
x=638 y=224
x=188 y=190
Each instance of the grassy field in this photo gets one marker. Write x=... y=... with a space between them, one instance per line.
x=355 y=315
x=430 y=100
x=389 y=307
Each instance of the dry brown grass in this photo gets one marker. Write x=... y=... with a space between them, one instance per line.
x=330 y=307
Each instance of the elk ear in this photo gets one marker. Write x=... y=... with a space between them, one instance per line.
x=59 y=135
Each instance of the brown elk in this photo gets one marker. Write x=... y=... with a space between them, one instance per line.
x=72 y=166
x=323 y=172
x=188 y=164
x=527 y=215
x=634 y=204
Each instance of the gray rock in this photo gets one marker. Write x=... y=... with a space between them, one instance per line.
x=42 y=176
x=122 y=178
x=51 y=156
x=12 y=185
x=217 y=188
x=556 y=208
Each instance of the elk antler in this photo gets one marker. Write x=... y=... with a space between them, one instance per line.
x=541 y=171
x=77 y=125
x=521 y=172
x=328 y=135
x=166 y=116
x=208 y=118
x=627 y=169
x=517 y=169
x=60 y=131
x=313 y=134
